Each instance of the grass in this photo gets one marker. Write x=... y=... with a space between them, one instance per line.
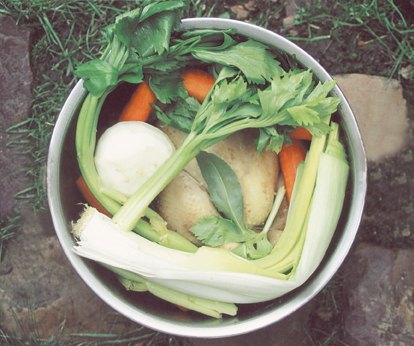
x=8 y=226
x=370 y=37
x=358 y=28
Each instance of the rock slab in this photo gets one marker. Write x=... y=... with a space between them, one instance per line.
x=15 y=97
x=381 y=297
x=380 y=110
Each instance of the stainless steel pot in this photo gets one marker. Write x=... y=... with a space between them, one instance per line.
x=146 y=310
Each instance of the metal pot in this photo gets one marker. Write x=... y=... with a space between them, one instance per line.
x=145 y=310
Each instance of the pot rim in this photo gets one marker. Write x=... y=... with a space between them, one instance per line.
x=309 y=289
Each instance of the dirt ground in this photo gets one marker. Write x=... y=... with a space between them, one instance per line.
x=387 y=226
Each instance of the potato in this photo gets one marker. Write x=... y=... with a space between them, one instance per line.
x=279 y=223
x=182 y=203
x=258 y=175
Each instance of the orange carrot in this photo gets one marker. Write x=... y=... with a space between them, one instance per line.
x=182 y=308
x=290 y=157
x=139 y=107
x=300 y=133
x=90 y=198
x=198 y=83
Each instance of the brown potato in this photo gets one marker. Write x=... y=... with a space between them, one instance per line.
x=182 y=203
x=258 y=175
x=279 y=223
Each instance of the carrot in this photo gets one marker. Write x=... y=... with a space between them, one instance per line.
x=198 y=83
x=90 y=198
x=290 y=157
x=182 y=307
x=300 y=133
x=139 y=107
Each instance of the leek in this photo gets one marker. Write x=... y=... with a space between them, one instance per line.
x=99 y=237
x=329 y=194
x=290 y=243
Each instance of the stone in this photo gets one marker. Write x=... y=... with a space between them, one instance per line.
x=15 y=95
x=240 y=11
x=40 y=284
x=380 y=286
x=380 y=110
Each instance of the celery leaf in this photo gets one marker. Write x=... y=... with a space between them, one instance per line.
x=179 y=115
x=148 y=29
x=167 y=87
x=97 y=75
x=254 y=248
x=251 y=57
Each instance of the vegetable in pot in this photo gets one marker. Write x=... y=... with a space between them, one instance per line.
x=128 y=153
x=257 y=174
x=251 y=91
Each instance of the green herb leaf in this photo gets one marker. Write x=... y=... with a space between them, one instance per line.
x=153 y=35
x=224 y=188
x=215 y=230
x=262 y=141
x=223 y=185
x=131 y=73
x=149 y=28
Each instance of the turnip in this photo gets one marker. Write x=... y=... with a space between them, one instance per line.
x=128 y=153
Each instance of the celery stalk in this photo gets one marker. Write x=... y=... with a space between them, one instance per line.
x=134 y=209
x=204 y=306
